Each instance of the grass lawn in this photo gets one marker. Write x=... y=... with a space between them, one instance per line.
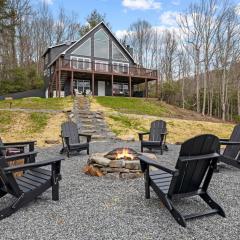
x=134 y=105
x=39 y=103
x=128 y=116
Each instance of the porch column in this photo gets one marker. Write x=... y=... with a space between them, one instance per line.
x=92 y=84
x=130 y=86
x=146 y=88
x=71 y=83
x=112 y=84
x=156 y=88
x=59 y=84
x=56 y=83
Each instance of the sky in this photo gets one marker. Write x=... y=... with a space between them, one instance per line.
x=121 y=13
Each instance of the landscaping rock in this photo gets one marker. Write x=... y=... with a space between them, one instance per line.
x=49 y=141
x=99 y=159
x=133 y=165
x=117 y=164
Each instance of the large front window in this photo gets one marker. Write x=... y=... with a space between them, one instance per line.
x=82 y=85
x=101 y=44
x=117 y=54
x=84 y=49
x=101 y=66
x=81 y=63
x=120 y=67
x=120 y=89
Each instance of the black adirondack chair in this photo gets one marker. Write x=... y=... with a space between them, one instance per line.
x=31 y=184
x=17 y=147
x=231 y=154
x=71 y=139
x=157 y=136
x=197 y=159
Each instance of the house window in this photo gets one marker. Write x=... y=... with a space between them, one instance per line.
x=101 y=66
x=120 y=89
x=84 y=49
x=101 y=44
x=120 y=67
x=81 y=63
x=82 y=85
x=117 y=54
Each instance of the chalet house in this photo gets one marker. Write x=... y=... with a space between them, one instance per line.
x=96 y=63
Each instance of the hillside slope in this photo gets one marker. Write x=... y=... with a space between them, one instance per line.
x=128 y=116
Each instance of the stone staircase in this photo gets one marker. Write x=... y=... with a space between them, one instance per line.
x=91 y=122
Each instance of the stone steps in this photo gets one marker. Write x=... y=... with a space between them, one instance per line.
x=91 y=122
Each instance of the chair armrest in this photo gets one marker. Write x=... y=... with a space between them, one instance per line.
x=224 y=139
x=199 y=157
x=32 y=165
x=12 y=146
x=88 y=136
x=19 y=143
x=148 y=162
x=140 y=135
x=20 y=156
x=229 y=143
x=164 y=133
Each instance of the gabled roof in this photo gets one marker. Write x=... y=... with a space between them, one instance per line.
x=88 y=33
x=58 y=45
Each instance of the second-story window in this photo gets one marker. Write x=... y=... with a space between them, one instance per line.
x=120 y=67
x=101 y=66
x=81 y=63
x=101 y=44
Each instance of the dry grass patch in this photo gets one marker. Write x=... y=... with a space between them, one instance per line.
x=20 y=126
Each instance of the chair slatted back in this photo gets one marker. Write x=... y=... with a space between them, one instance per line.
x=157 y=128
x=7 y=180
x=70 y=129
x=233 y=151
x=2 y=152
x=192 y=173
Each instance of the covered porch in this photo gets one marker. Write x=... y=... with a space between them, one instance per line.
x=107 y=84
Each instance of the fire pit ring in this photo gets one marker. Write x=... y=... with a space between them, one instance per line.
x=118 y=163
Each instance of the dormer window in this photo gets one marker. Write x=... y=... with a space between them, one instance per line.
x=101 y=44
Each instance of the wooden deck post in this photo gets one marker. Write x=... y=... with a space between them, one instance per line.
x=59 y=84
x=146 y=88
x=112 y=84
x=92 y=84
x=130 y=86
x=56 y=82
x=59 y=78
x=71 y=83
x=156 y=88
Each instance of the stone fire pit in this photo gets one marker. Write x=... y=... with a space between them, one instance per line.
x=119 y=163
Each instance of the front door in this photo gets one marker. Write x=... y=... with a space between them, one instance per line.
x=101 y=88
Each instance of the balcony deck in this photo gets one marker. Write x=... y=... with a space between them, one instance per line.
x=108 y=69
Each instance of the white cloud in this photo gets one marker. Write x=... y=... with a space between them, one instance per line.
x=120 y=33
x=170 y=18
x=48 y=2
x=176 y=2
x=141 y=4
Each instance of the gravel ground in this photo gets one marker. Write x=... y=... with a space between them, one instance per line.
x=101 y=208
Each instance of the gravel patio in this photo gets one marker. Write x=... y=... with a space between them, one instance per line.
x=103 y=208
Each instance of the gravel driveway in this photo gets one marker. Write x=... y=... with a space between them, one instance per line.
x=101 y=208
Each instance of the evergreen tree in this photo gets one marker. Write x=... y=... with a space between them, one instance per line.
x=93 y=19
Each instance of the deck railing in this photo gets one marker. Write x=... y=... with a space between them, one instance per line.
x=101 y=67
